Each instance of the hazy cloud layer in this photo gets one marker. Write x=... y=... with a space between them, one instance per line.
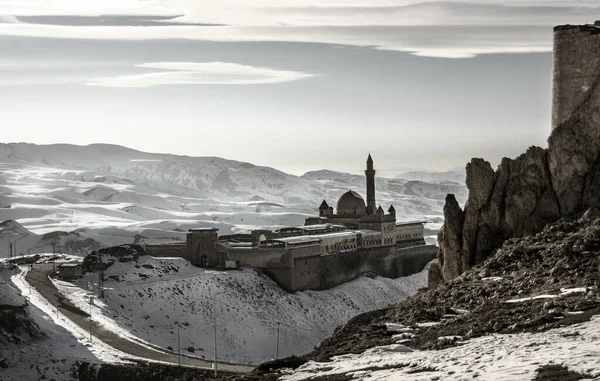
x=448 y=29
x=199 y=73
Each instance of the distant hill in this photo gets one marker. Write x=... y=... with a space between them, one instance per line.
x=456 y=175
x=117 y=195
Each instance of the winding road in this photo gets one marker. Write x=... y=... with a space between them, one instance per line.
x=38 y=278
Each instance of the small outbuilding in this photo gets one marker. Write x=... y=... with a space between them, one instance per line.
x=69 y=270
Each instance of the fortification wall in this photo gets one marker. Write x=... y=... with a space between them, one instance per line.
x=409 y=243
x=172 y=250
x=273 y=258
x=576 y=68
x=311 y=268
x=326 y=271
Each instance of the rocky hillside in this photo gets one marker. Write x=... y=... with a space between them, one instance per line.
x=16 y=325
x=522 y=195
x=27 y=242
x=531 y=284
x=535 y=285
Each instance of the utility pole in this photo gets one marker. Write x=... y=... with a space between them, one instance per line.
x=178 y=346
x=90 y=319
x=215 y=323
x=277 y=348
x=54 y=260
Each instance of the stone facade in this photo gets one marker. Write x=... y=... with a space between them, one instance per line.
x=202 y=247
x=69 y=271
x=172 y=250
x=312 y=268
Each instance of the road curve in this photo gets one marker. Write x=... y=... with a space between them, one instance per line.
x=38 y=278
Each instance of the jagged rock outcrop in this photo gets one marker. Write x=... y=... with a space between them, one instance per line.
x=434 y=276
x=523 y=195
x=449 y=261
x=515 y=200
x=541 y=185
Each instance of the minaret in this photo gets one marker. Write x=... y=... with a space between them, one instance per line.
x=370 y=173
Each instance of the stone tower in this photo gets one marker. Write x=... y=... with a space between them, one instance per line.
x=202 y=247
x=575 y=66
x=370 y=173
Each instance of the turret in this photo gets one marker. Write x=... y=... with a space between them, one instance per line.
x=392 y=211
x=380 y=211
x=324 y=209
x=575 y=68
x=370 y=174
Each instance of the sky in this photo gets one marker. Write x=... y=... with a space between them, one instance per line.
x=297 y=85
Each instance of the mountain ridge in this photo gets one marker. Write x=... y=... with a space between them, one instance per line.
x=115 y=194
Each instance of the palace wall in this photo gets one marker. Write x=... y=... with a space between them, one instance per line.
x=409 y=232
x=311 y=267
x=327 y=271
x=171 y=250
x=268 y=258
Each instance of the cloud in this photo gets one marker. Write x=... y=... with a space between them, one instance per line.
x=448 y=29
x=104 y=20
x=200 y=73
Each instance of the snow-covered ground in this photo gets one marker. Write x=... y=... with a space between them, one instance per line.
x=107 y=195
x=51 y=357
x=146 y=300
x=496 y=357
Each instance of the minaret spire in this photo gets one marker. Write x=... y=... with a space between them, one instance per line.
x=370 y=174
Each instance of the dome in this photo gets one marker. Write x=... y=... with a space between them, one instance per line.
x=351 y=204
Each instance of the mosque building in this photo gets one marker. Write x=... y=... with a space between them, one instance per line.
x=331 y=248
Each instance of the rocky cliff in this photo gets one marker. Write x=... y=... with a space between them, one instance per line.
x=524 y=194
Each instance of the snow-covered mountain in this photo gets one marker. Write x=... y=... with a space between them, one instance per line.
x=456 y=175
x=117 y=195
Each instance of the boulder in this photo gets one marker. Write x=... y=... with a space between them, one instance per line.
x=434 y=276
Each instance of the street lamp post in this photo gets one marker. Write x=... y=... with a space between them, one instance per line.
x=215 y=324
x=90 y=319
x=277 y=347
